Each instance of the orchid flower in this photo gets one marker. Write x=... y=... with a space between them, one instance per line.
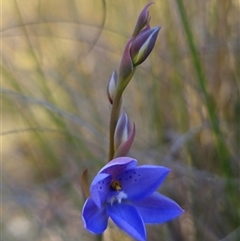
x=127 y=194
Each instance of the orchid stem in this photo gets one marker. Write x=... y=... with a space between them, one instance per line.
x=99 y=237
x=117 y=101
x=113 y=121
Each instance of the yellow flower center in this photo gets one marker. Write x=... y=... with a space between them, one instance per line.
x=116 y=185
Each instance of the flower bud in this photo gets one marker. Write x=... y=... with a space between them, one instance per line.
x=143 y=20
x=112 y=84
x=126 y=69
x=122 y=131
x=143 y=44
x=124 y=148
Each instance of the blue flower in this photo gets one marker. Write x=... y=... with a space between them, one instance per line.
x=127 y=194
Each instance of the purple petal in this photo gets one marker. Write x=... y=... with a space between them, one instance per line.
x=99 y=188
x=128 y=218
x=142 y=181
x=94 y=219
x=118 y=165
x=157 y=208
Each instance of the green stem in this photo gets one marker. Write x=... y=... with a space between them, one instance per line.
x=99 y=237
x=220 y=145
x=113 y=121
x=122 y=84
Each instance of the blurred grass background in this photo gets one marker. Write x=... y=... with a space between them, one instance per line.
x=57 y=57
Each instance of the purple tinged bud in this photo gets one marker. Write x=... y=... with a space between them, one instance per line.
x=112 y=84
x=143 y=44
x=122 y=131
x=143 y=20
x=126 y=69
x=124 y=148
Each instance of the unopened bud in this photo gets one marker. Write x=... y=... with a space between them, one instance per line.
x=126 y=69
x=124 y=148
x=111 y=87
x=122 y=131
x=143 y=44
x=143 y=20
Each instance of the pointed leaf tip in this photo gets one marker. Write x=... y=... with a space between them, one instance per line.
x=143 y=20
x=85 y=185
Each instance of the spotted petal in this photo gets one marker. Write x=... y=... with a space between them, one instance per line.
x=128 y=218
x=99 y=188
x=157 y=208
x=118 y=165
x=94 y=218
x=142 y=181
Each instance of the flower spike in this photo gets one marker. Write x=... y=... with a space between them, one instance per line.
x=121 y=190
